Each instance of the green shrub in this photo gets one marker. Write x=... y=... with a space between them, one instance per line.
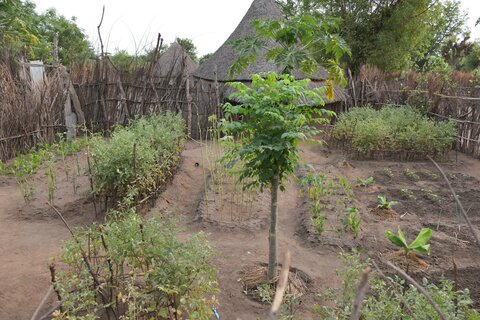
x=142 y=271
x=139 y=157
x=390 y=298
x=394 y=129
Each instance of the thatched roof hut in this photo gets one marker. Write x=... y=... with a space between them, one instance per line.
x=174 y=62
x=224 y=57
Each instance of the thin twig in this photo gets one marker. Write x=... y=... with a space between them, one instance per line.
x=42 y=303
x=362 y=289
x=96 y=281
x=282 y=285
x=419 y=288
x=473 y=229
x=99 y=34
x=51 y=310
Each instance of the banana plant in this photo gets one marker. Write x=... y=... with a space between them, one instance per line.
x=420 y=244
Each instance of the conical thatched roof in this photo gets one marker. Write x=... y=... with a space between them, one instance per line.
x=224 y=57
x=173 y=62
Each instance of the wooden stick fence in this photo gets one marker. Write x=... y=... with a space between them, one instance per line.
x=456 y=99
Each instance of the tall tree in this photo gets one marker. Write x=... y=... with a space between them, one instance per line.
x=277 y=112
x=189 y=47
x=23 y=30
x=391 y=34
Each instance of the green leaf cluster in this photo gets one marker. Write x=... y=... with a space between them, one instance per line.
x=394 y=129
x=278 y=113
x=300 y=43
x=138 y=157
x=391 y=298
x=420 y=244
x=25 y=31
x=143 y=272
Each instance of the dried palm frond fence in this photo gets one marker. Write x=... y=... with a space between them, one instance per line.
x=456 y=97
x=30 y=112
x=110 y=97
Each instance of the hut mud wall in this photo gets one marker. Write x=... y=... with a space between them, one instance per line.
x=455 y=97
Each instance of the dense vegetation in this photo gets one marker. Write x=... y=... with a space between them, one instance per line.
x=26 y=32
x=397 y=35
x=138 y=158
x=134 y=269
x=393 y=129
x=392 y=297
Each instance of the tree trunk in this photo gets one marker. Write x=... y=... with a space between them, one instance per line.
x=272 y=236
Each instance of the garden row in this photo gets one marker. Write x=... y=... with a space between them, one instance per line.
x=128 y=266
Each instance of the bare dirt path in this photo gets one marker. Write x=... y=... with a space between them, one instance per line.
x=29 y=236
x=238 y=249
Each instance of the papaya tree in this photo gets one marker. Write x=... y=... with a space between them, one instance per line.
x=277 y=114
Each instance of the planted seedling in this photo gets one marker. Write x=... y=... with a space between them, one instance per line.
x=412 y=175
x=3 y=169
x=430 y=195
x=51 y=180
x=347 y=188
x=431 y=175
x=370 y=181
x=408 y=194
x=420 y=244
x=351 y=221
x=388 y=172
x=383 y=203
x=318 y=222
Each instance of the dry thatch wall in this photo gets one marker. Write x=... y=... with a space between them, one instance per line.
x=31 y=114
x=28 y=113
x=456 y=98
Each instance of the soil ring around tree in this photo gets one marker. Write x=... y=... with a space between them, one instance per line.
x=256 y=286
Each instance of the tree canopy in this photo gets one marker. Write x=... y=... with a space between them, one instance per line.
x=25 y=31
x=390 y=34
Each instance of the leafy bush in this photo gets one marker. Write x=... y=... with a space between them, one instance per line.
x=394 y=129
x=389 y=298
x=138 y=157
x=134 y=269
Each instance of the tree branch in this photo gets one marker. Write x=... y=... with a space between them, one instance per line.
x=473 y=229
x=419 y=288
x=362 y=289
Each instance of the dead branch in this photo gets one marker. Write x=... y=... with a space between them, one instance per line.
x=472 y=228
x=362 y=289
x=419 y=288
x=96 y=281
x=99 y=33
x=282 y=285
x=42 y=303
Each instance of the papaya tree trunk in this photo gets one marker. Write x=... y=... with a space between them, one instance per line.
x=272 y=234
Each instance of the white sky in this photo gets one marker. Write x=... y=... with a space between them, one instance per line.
x=133 y=25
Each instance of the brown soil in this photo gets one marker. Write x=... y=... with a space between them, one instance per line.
x=432 y=206
x=31 y=234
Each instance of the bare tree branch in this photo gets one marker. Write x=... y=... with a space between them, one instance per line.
x=99 y=34
x=419 y=288
x=473 y=229
x=42 y=303
x=362 y=289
